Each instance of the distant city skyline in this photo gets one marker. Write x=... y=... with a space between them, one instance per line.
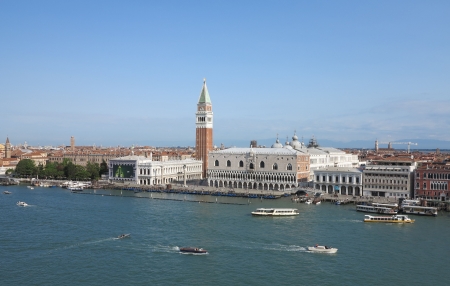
x=120 y=73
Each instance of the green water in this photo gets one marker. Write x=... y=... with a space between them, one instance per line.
x=64 y=238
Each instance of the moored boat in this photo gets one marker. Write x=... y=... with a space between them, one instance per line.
x=275 y=212
x=376 y=209
x=193 y=250
x=322 y=249
x=388 y=219
x=419 y=210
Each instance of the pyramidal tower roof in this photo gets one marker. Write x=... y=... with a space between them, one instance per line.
x=204 y=95
x=7 y=140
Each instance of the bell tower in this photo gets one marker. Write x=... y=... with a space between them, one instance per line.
x=204 y=128
x=7 y=148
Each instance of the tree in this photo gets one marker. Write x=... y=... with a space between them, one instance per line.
x=9 y=171
x=26 y=167
x=94 y=170
x=103 y=168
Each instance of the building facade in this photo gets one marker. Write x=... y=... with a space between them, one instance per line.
x=276 y=168
x=389 y=178
x=143 y=171
x=432 y=181
x=204 y=127
x=339 y=180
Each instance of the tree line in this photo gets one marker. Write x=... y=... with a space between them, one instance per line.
x=65 y=170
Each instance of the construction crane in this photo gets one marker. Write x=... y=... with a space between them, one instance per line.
x=404 y=143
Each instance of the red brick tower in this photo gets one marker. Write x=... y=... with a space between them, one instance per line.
x=204 y=128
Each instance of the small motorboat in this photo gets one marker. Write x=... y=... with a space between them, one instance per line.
x=22 y=204
x=193 y=250
x=322 y=249
x=308 y=202
x=7 y=192
x=123 y=235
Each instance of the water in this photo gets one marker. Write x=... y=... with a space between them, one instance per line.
x=64 y=238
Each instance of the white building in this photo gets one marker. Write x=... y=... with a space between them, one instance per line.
x=340 y=180
x=276 y=168
x=389 y=178
x=144 y=171
x=326 y=157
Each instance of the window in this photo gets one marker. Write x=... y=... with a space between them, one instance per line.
x=261 y=164
x=241 y=164
x=357 y=180
x=216 y=163
x=289 y=167
x=343 y=179
x=228 y=163
x=317 y=178
x=252 y=166
x=350 y=179
x=424 y=186
x=275 y=166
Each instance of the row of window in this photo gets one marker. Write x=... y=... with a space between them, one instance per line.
x=384 y=181
x=384 y=175
x=435 y=186
x=439 y=176
x=262 y=165
x=330 y=179
x=386 y=187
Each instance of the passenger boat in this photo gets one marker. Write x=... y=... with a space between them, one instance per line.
x=21 y=204
x=388 y=219
x=123 y=235
x=322 y=249
x=193 y=250
x=275 y=212
x=418 y=210
x=375 y=209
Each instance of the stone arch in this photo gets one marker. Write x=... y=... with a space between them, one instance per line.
x=317 y=186
x=344 y=190
x=324 y=188
x=358 y=191
x=350 y=190
x=330 y=189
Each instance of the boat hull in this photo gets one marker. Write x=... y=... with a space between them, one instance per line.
x=193 y=250
x=322 y=249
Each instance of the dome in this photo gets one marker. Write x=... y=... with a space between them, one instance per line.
x=277 y=144
x=288 y=147
x=294 y=138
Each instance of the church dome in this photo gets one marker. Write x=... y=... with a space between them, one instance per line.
x=277 y=144
x=288 y=147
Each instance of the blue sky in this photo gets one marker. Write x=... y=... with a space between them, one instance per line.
x=130 y=72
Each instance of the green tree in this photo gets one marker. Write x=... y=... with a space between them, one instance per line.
x=26 y=167
x=104 y=168
x=9 y=171
x=50 y=170
x=94 y=170
x=70 y=170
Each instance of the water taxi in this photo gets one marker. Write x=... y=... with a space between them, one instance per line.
x=388 y=219
x=322 y=249
x=375 y=209
x=275 y=212
x=419 y=210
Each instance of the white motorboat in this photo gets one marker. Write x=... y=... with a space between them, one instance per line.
x=7 y=192
x=322 y=249
x=275 y=212
x=123 y=235
x=388 y=219
x=22 y=204
x=308 y=202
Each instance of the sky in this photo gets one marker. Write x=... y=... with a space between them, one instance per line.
x=130 y=72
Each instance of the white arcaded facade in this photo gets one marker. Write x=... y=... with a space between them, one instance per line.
x=148 y=172
x=276 y=168
x=326 y=157
x=340 y=180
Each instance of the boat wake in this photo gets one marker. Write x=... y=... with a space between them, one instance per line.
x=81 y=244
x=288 y=248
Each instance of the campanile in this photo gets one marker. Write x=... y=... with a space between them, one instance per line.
x=204 y=127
